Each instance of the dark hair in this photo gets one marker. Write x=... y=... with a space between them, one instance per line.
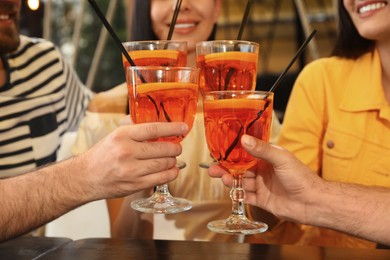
x=349 y=43
x=141 y=26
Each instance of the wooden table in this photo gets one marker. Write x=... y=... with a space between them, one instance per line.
x=99 y=248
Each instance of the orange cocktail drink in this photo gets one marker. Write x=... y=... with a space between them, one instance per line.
x=164 y=102
x=227 y=65
x=156 y=53
x=163 y=94
x=226 y=120
x=228 y=115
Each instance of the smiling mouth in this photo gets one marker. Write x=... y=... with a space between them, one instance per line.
x=371 y=7
x=4 y=17
x=185 y=25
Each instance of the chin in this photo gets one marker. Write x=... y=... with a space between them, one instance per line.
x=371 y=34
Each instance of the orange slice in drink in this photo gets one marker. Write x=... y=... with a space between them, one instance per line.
x=151 y=87
x=148 y=54
x=257 y=104
x=231 y=56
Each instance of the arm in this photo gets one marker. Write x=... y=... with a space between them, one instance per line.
x=121 y=164
x=290 y=190
x=359 y=210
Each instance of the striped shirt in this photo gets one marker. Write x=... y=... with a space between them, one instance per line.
x=41 y=99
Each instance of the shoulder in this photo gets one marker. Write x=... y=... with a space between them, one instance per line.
x=110 y=101
x=31 y=42
x=325 y=72
x=31 y=49
x=331 y=67
x=327 y=65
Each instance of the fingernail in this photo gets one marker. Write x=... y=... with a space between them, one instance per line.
x=248 y=141
x=184 y=128
x=277 y=147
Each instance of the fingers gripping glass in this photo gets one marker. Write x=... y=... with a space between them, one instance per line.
x=162 y=94
x=228 y=115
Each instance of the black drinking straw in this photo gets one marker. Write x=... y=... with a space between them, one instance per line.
x=244 y=19
x=113 y=35
x=239 y=37
x=297 y=54
x=174 y=18
x=111 y=31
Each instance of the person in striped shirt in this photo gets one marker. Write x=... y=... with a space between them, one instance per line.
x=41 y=97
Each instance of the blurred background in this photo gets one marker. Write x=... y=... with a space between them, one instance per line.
x=279 y=26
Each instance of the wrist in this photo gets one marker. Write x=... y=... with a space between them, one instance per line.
x=334 y=204
x=305 y=202
x=75 y=181
x=317 y=208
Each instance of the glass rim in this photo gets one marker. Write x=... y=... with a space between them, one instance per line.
x=215 y=92
x=154 y=42
x=232 y=42
x=165 y=68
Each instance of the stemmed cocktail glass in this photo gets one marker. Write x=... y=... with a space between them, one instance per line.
x=226 y=65
x=228 y=115
x=163 y=94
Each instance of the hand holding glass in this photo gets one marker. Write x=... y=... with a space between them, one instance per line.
x=157 y=53
x=162 y=94
x=228 y=115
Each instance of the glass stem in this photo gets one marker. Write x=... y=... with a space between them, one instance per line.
x=237 y=195
x=162 y=190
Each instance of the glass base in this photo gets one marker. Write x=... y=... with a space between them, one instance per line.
x=236 y=225
x=161 y=204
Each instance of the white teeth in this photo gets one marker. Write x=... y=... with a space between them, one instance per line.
x=371 y=7
x=4 y=16
x=184 y=25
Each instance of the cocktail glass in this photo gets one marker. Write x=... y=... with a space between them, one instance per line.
x=163 y=94
x=157 y=53
x=226 y=65
x=228 y=115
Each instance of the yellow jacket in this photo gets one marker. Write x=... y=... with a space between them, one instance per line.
x=338 y=122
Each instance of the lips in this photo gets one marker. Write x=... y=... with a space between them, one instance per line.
x=8 y=11
x=369 y=7
x=8 y=19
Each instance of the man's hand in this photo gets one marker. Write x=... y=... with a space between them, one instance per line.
x=125 y=161
x=279 y=183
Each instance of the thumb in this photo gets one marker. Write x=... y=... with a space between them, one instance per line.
x=273 y=154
